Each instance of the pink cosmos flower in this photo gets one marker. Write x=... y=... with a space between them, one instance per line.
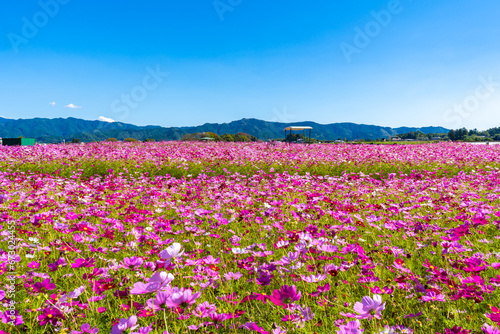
x=432 y=296
x=232 y=276
x=321 y=289
x=305 y=314
x=82 y=263
x=156 y=282
x=182 y=298
x=494 y=315
x=369 y=307
x=159 y=300
x=353 y=327
x=204 y=310
x=6 y=318
x=132 y=262
x=385 y=290
x=144 y=330
x=85 y=328
x=456 y=330
x=77 y=292
x=124 y=324
x=487 y=329
x=413 y=315
x=313 y=278
x=279 y=330
x=34 y=265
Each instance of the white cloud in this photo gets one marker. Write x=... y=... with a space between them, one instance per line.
x=72 y=106
x=106 y=119
x=52 y=104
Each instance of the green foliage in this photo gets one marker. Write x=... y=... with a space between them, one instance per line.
x=130 y=140
x=459 y=134
x=228 y=137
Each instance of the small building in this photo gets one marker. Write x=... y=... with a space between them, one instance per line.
x=396 y=139
x=299 y=128
x=18 y=141
x=207 y=139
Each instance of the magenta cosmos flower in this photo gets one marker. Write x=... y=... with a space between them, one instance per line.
x=285 y=295
x=369 y=307
x=50 y=315
x=43 y=286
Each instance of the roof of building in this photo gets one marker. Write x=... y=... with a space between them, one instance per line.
x=298 y=128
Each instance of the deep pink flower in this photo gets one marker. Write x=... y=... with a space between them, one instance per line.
x=83 y=263
x=285 y=295
x=385 y=290
x=43 y=286
x=50 y=315
x=34 y=265
x=456 y=330
x=494 y=315
x=321 y=289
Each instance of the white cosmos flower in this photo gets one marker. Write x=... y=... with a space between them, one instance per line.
x=239 y=251
x=173 y=251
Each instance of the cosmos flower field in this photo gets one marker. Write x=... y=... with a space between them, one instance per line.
x=240 y=238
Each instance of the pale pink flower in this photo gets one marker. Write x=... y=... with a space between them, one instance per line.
x=369 y=308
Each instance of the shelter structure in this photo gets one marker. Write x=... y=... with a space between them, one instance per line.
x=206 y=139
x=290 y=129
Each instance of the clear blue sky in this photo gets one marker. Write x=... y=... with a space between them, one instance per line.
x=422 y=62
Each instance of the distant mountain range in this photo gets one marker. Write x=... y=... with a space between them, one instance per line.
x=58 y=129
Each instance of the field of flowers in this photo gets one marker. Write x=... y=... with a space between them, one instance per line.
x=240 y=238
